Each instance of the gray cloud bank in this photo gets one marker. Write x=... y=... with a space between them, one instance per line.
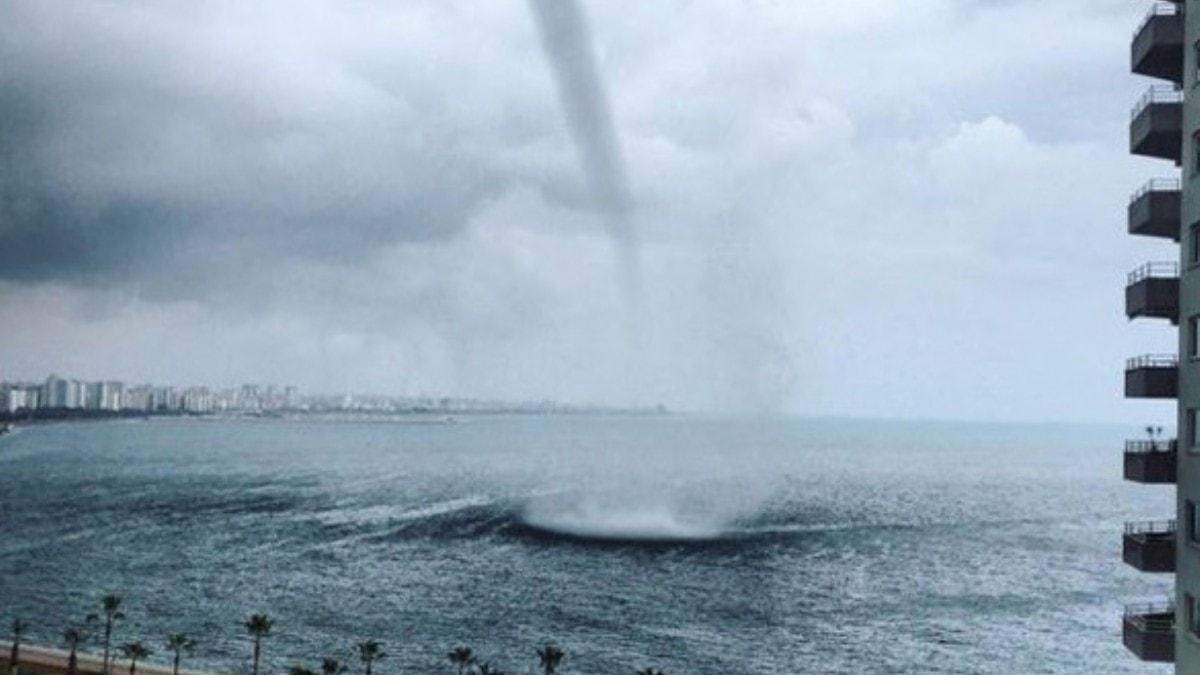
x=350 y=196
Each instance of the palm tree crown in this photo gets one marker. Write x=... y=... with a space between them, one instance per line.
x=332 y=667
x=179 y=644
x=650 y=671
x=134 y=651
x=369 y=651
x=110 y=604
x=462 y=657
x=551 y=657
x=258 y=626
x=72 y=636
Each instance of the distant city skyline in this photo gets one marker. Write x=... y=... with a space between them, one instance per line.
x=113 y=395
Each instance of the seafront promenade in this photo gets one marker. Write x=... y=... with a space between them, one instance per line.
x=49 y=661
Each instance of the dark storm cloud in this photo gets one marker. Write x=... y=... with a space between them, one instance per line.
x=126 y=158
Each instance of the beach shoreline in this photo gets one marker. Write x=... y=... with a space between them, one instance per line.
x=43 y=660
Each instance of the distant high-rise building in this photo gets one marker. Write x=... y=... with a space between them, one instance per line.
x=103 y=396
x=250 y=397
x=12 y=398
x=1166 y=46
x=166 y=399
x=32 y=397
x=60 y=393
x=138 y=398
x=94 y=396
x=197 y=400
x=113 y=396
x=55 y=392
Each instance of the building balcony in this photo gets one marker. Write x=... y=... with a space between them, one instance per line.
x=1154 y=210
x=1152 y=376
x=1150 y=461
x=1157 y=48
x=1149 y=631
x=1156 y=126
x=1152 y=291
x=1149 y=546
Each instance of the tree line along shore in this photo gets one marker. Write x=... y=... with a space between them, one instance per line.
x=100 y=630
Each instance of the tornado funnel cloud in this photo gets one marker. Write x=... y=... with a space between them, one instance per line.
x=568 y=45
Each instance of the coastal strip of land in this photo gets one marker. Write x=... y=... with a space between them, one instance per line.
x=39 y=660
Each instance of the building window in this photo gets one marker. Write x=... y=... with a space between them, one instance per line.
x=1193 y=526
x=1194 y=249
x=1193 y=614
x=1190 y=428
x=1196 y=153
x=1193 y=336
x=1196 y=63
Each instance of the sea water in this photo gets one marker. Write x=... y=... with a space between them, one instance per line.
x=693 y=544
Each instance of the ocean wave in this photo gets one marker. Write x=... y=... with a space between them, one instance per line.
x=468 y=517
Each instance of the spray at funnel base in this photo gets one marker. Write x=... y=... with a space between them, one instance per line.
x=630 y=526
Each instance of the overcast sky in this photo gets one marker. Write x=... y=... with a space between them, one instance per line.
x=876 y=208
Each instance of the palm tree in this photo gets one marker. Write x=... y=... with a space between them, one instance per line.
x=486 y=668
x=650 y=671
x=301 y=670
x=332 y=667
x=18 y=629
x=73 y=636
x=462 y=657
x=134 y=651
x=111 y=606
x=180 y=644
x=369 y=651
x=551 y=656
x=258 y=626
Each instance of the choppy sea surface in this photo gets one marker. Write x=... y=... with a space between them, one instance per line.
x=696 y=545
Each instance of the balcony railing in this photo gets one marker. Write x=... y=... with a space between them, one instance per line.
x=1152 y=361
x=1156 y=127
x=1154 y=209
x=1150 y=462
x=1156 y=9
x=1157 y=46
x=1152 y=291
x=1152 y=376
x=1153 y=270
x=1156 y=185
x=1149 y=546
x=1158 y=616
x=1157 y=94
x=1145 y=446
x=1149 y=552
x=1148 y=630
x=1147 y=529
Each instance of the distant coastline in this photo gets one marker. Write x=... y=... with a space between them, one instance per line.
x=48 y=415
